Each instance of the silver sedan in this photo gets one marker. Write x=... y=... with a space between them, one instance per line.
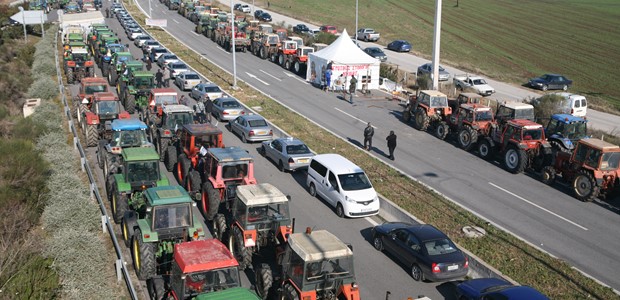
x=288 y=153
x=251 y=128
x=226 y=109
x=208 y=88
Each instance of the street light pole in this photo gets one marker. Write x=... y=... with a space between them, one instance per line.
x=356 y=15
x=436 y=44
x=253 y=9
x=150 y=10
x=234 y=56
x=24 y=23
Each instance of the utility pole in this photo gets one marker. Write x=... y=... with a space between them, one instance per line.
x=150 y=10
x=234 y=56
x=24 y=23
x=436 y=44
x=356 y=17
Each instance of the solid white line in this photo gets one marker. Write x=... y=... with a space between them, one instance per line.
x=222 y=49
x=276 y=78
x=336 y=108
x=194 y=32
x=255 y=77
x=175 y=21
x=536 y=205
x=371 y=221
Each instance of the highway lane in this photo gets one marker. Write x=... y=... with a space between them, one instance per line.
x=372 y=267
x=546 y=217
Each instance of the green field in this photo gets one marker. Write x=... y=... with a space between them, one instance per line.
x=509 y=40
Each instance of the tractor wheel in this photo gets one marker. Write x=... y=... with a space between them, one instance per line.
x=264 y=281
x=515 y=160
x=263 y=53
x=193 y=182
x=281 y=60
x=297 y=67
x=210 y=199
x=128 y=224
x=421 y=119
x=156 y=288
x=441 y=130
x=143 y=255
x=289 y=292
x=92 y=135
x=236 y=246
x=485 y=150
x=585 y=187
x=112 y=78
x=467 y=138
x=219 y=227
x=406 y=115
x=70 y=76
x=130 y=104
x=101 y=153
x=74 y=108
x=91 y=72
x=80 y=111
x=547 y=175
x=110 y=165
x=119 y=205
x=162 y=144
x=287 y=65
x=183 y=166
x=170 y=159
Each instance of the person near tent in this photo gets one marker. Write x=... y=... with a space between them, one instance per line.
x=352 y=88
x=328 y=79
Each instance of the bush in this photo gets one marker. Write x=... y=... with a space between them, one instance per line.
x=546 y=106
x=44 y=88
x=43 y=68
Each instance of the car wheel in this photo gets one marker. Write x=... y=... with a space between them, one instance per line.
x=339 y=210
x=416 y=273
x=281 y=167
x=377 y=243
x=243 y=139
x=545 y=87
x=312 y=190
x=565 y=87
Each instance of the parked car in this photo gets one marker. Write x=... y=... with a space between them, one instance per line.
x=329 y=29
x=208 y=88
x=573 y=104
x=427 y=69
x=288 y=153
x=237 y=6
x=165 y=59
x=550 y=82
x=313 y=32
x=251 y=128
x=226 y=109
x=399 y=46
x=245 y=8
x=376 y=52
x=428 y=252
x=156 y=52
x=135 y=33
x=301 y=28
x=150 y=44
x=187 y=80
x=176 y=68
x=495 y=288
x=257 y=13
x=265 y=17
x=139 y=40
x=130 y=27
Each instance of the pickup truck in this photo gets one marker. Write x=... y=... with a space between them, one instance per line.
x=368 y=35
x=475 y=83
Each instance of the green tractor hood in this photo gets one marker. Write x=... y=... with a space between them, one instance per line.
x=233 y=293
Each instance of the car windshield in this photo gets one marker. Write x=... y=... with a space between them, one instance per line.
x=178 y=119
x=257 y=123
x=297 y=149
x=129 y=138
x=354 y=181
x=485 y=115
x=166 y=99
x=172 y=216
x=374 y=50
x=211 y=281
x=140 y=171
x=610 y=161
x=91 y=89
x=268 y=213
x=230 y=104
x=439 y=247
x=143 y=82
x=108 y=107
x=329 y=269
x=479 y=81
x=533 y=134
x=237 y=170
x=192 y=76
x=212 y=89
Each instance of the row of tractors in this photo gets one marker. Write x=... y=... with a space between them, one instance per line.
x=160 y=223
x=562 y=149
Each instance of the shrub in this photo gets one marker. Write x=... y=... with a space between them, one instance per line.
x=43 y=68
x=44 y=88
x=546 y=106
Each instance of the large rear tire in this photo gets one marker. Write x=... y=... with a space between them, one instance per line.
x=119 y=205
x=467 y=138
x=289 y=292
x=515 y=160
x=585 y=187
x=219 y=227
x=210 y=199
x=548 y=175
x=70 y=76
x=441 y=130
x=183 y=166
x=264 y=281
x=421 y=119
x=236 y=246
x=112 y=77
x=193 y=183
x=92 y=135
x=485 y=150
x=143 y=254
x=130 y=104
x=170 y=158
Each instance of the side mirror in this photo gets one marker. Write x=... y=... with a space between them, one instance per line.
x=393 y=236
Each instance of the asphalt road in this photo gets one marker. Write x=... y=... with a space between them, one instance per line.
x=548 y=218
x=376 y=272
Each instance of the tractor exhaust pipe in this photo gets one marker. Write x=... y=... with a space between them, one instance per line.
x=293 y=226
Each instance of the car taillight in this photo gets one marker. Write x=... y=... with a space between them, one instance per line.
x=147 y=236
x=270 y=132
x=225 y=113
x=435 y=268
x=243 y=112
x=466 y=265
x=251 y=132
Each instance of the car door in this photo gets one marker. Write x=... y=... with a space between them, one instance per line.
x=393 y=242
x=271 y=151
x=236 y=125
x=332 y=189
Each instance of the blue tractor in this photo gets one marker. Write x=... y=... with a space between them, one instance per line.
x=126 y=133
x=564 y=130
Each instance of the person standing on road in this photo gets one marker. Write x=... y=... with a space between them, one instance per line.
x=352 y=88
x=368 y=133
x=208 y=107
x=107 y=12
x=391 y=143
x=148 y=64
x=199 y=108
x=183 y=100
x=158 y=78
x=167 y=77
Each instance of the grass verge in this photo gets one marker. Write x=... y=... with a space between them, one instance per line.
x=510 y=255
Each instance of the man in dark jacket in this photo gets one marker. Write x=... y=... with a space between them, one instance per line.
x=208 y=107
x=391 y=143
x=368 y=133
x=352 y=88
x=159 y=76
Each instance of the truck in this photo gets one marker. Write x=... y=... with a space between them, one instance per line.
x=82 y=19
x=476 y=83
x=367 y=35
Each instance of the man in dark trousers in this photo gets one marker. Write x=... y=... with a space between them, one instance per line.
x=368 y=133
x=352 y=88
x=391 y=143
x=208 y=107
x=107 y=12
x=159 y=76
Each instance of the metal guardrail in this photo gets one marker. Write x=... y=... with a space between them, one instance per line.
x=121 y=268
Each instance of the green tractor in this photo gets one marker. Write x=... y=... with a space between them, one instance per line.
x=136 y=92
x=78 y=63
x=116 y=74
x=105 y=47
x=115 y=67
x=140 y=170
x=161 y=218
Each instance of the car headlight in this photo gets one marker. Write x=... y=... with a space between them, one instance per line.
x=346 y=198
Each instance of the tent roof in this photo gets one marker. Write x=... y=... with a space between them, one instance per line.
x=344 y=51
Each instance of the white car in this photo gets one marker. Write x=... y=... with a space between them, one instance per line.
x=245 y=8
x=135 y=33
x=166 y=58
x=187 y=80
x=139 y=40
x=176 y=68
x=150 y=44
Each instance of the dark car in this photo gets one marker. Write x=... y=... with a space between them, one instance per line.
x=427 y=69
x=265 y=17
x=376 y=52
x=301 y=28
x=427 y=252
x=495 y=288
x=551 y=82
x=237 y=6
x=399 y=46
x=257 y=13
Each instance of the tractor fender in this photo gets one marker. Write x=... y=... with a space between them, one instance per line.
x=349 y=292
x=132 y=220
x=124 y=115
x=490 y=140
x=91 y=118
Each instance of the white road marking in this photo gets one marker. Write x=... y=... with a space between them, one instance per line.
x=194 y=32
x=276 y=78
x=175 y=21
x=295 y=77
x=222 y=49
x=254 y=76
x=536 y=205
x=371 y=221
x=336 y=108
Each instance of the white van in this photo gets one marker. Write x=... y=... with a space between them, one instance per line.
x=573 y=104
x=343 y=185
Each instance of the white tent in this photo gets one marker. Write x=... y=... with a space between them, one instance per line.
x=346 y=60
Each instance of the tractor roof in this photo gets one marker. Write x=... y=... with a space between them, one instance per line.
x=470 y=95
x=165 y=195
x=318 y=245
x=94 y=81
x=142 y=74
x=475 y=107
x=527 y=124
x=518 y=105
x=164 y=91
x=260 y=194
x=433 y=93
x=237 y=293
x=230 y=154
x=139 y=154
x=105 y=96
x=176 y=108
x=202 y=129
x=567 y=119
x=128 y=124
x=600 y=144
x=124 y=53
x=133 y=63
x=204 y=255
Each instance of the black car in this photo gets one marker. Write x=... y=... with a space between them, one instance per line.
x=399 y=46
x=550 y=82
x=257 y=13
x=301 y=28
x=376 y=52
x=265 y=17
x=426 y=251
x=237 y=6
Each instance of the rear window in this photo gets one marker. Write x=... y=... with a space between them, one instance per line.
x=191 y=76
x=257 y=123
x=212 y=89
x=439 y=247
x=297 y=149
x=230 y=104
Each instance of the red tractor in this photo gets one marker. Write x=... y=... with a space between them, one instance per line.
x=592 y=169
x=97 y=120
x=429 y=108
x=521 y=143
x=88 y=87
x=157 y=98
x=285 y=52
x=471 y=121
x=300 y=59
